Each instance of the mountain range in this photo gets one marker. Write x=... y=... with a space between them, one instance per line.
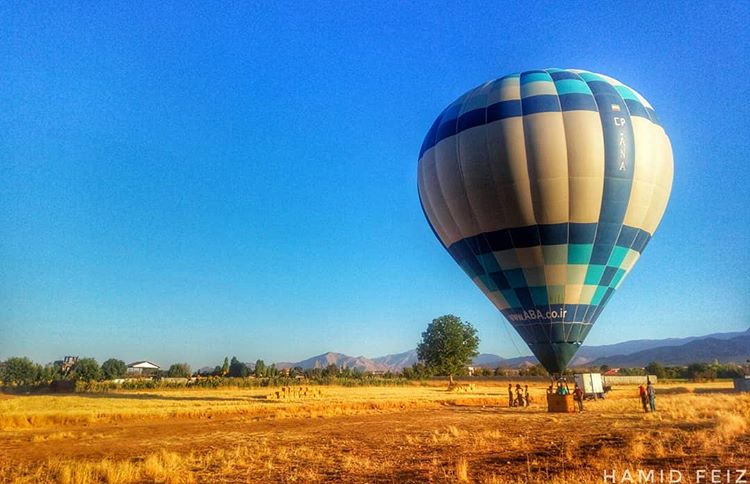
x=733 y=347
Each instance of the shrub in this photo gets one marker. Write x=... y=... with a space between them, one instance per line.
x=114 y=368
x=179 y=370
x=20 y=371
x=86 y=369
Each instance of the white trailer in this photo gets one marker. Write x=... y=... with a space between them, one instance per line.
x=742 y=384
x=591 y=383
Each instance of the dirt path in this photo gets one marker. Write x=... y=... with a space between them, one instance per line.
x=136 y=438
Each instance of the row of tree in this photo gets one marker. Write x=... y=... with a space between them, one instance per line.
x=21 y=371
x=446 y=349
x=693 y=371
x=237 y=369
x=24 y=372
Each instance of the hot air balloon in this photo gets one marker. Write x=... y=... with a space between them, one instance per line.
x=545 y=187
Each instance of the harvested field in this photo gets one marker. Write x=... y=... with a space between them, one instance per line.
x=372 y=434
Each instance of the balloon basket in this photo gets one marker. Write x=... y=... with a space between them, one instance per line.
x=560 y=403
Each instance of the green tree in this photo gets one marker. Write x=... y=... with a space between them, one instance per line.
x=534 y=370
x=655 y=368
x=86 y=369
x=700 y=372
x=260 y=368
x=47 y=374
x=314 y=373
x=114 y=368
x=331 y=370
x=57 y=371
x=448 y=345
x=179 y=370
x=237 y=368
x=19 y=371
x=604 y=368
x=225 y=366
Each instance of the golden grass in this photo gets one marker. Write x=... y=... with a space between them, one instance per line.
x=462 y=470
x=37 y=411
x=433 y=436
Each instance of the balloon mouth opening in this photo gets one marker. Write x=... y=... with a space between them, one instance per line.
x=554 y=357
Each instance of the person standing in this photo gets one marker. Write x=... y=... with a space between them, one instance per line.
x=578 y=397
x=651 y=396
x=510 y=394
x=564 y=390
x=644 y=397
x=526 y=399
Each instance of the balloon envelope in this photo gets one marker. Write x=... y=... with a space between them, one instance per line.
x=545 y=187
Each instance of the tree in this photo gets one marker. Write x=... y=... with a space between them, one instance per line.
x=655 y=368
x=314 y=373
x=331 y=370
x=20 y=371
x=260 y=368
x=448 y=345
x=179 y=370
x=534 y=370
x=225 y=367
x=237 y=368
x=418 y=371
x=114 y=368
x=700 y=372
x=86 y=369
x=47 y=374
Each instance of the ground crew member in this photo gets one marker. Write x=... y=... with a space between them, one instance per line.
x=578 y=397
x=644 y=397
x=651 y=396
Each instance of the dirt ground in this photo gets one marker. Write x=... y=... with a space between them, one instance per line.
x=465 y=438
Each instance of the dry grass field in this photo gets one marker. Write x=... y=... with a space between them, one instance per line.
x=374 y=434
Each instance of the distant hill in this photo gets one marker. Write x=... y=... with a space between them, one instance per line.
x=725 y=347
x=487 y=360
x=338 y=359
x=732 y=350
x=395 y=362
x=398 y=361
x=588 y=354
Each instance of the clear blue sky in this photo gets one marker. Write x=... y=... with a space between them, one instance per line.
x=181 y=183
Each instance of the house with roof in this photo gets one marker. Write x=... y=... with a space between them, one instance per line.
x=142 y=368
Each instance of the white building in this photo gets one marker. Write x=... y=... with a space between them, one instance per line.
x=142 y=368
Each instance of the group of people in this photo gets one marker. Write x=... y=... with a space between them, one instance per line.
x=562 y=389
x=648 y=397
x=521 y=397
